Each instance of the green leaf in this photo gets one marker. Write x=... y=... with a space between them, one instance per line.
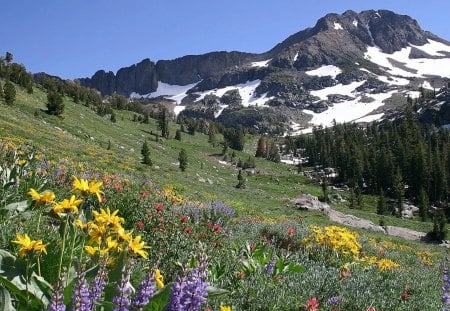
x=160 y=300
x=13 y=289
x=215 y=291
x=17 y=207
x=5 y=300
x=294 y=268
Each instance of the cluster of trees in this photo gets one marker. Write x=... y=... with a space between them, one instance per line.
x=267 y=148
x=401 y=159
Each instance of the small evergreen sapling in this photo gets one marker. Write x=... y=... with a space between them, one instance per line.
x=183 y=159
x=145 y=151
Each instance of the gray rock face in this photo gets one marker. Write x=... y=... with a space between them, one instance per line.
x=336 y=39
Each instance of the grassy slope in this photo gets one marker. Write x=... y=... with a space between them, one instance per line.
x=82 y=136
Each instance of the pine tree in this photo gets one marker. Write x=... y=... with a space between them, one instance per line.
x=113 y=117
x=1 y=90
x=55 y=105
x=178 y=135
x=9 y=93
x=183 y=159
x=212 y=135
x=273 y=153
x=352 y=198
x=239 y=164
x=399 y=190
x=109 y=145
x=261 y=150
x=423 y=204
x=439 y=225
x=381 y=204
x=325 y=190
x=163 y=122
x=145 y=151
x=146 y=118
x=241 y=181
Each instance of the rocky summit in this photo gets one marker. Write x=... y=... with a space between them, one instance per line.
x=353 y=67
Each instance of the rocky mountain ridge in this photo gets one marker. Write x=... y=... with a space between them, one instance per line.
x=350 y=61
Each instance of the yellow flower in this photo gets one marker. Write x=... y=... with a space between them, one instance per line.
x=67 y=206
x=110 y=245
x=28 y=245
x=124 y=236
x=159 y=279
x=387 y=264
x=87 y=188
x=91 y=250
x=44 y=197
x=225 y=308
x=79 y=224
x=21 y=162
x=106 y=218
x=136 y=246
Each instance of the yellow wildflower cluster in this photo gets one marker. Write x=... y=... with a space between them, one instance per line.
x=425 y=258
x=85 y=188
x=387 y=264
x=28 y=245
x=340 y=239
x=394 y=246
x=159 y=279
x=106 y=235
x=172 y=196
x=41 y=198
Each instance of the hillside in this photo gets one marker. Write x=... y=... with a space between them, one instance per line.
x=76 y=143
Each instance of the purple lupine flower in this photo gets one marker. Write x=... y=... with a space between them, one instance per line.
x=446 y=287
x=122 y=300
x=80 y=297
x=334 y=301
x=145 y=291
x=57 y=300
x=99 y=283
x=270 y=266
x=189 y=293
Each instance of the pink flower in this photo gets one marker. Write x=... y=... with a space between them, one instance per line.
x=139 y=224
x=312 y=304
x=291 y=231
x=371 y=309
x=404 y=295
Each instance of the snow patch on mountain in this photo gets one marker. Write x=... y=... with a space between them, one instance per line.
x=348 y=111
x=219 y=112
x=169 y=91
x=178 y=108
x=328 y=70
x=355 y=23
x=263 y=63
x=427 y=85
x=337 y=26
x=418 y=67
x=337 y=89
x=433 y=48
x=370 y=118
x=246 y=90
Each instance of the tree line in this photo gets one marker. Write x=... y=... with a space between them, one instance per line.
x=399 y=159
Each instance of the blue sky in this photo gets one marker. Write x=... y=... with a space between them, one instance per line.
x=75 y=38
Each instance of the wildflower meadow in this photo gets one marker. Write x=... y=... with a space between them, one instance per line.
x=80 y=239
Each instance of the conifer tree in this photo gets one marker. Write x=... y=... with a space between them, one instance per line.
x=399 y=190
x=423 y=204
x=163 y=122
x=55 y=104
x=261 y=149
x=241 y=181
x=178 y=135
x=325 y=190
x=145 y=151
x=9 y=93
x=381 y=204
x=183 y=159
x=113 y=117
x=212 y=135
x=1 y=90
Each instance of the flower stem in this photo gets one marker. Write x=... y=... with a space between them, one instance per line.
x=63 y=246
